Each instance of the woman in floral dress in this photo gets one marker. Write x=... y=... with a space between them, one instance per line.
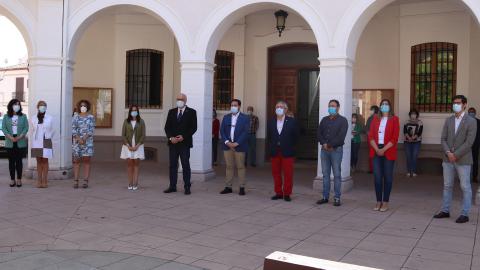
x=83 y=128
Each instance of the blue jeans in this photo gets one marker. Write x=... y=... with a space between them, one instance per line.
x=383 y=174
x=251 y=156
x=332 y=160
x=463 y=172
x=412 y=149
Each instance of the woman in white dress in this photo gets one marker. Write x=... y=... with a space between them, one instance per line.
x=133 y=133
x=41 y=138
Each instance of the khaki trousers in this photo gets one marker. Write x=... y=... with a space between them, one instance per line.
x=234 y=159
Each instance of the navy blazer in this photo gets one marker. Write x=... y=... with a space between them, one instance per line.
x=241 y=131
x=284 y=141
x=186 y=126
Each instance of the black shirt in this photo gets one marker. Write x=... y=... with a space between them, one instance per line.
x=332 y=131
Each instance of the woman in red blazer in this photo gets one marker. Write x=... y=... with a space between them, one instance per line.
x=383 y=137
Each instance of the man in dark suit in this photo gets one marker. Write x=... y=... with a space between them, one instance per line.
x=180 y=126
x=234 y=133
x=283 y=133
x=476 y=145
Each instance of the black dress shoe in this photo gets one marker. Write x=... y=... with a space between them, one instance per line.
x=442 y=215
x=187 y=191
x=242 y=191
x=170 y=190
x=12 y=183
x=287 y=198
x=462 y=219
x=337 y=202
x=322 y=201
x=277 y=197
x=227 y=190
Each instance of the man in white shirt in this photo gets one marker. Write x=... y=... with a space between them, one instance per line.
x=458 y=136
x=234 y=133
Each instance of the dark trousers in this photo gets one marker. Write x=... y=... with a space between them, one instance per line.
x=15 y=163
x=182 y=152
x=383 y=174
x=475 y=152
x=251 y=154
x=412 y=149
x=354 y=156
x=214 y=150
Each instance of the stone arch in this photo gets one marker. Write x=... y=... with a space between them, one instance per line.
x=23 y=20
x=81 y=19
x=356 y=18
x=225 y=16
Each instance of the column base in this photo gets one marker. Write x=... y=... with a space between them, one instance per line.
x=347 y=184
x=53 y=174
x=477 y=197
x=199 y=176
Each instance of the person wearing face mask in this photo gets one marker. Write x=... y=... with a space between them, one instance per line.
x=412 y=130
x=234 y=134
x=357 y=130
x=472 y=112
x=283 y=133
x=458 y=136
x=215 y=137
x=15 y=128
x=180 y=126
x=133 y=150
x=374 y=110
x=251 y=156
x=83 y=128
x=42 y=146
x=331 y=135
x=383 y=138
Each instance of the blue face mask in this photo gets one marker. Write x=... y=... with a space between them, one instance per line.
x=385 y=108
x=134 y=113
x=457 y=108
x=472 y=115
x=279 y=111
x=234 y=109
x=332 y=110
x=42 y=109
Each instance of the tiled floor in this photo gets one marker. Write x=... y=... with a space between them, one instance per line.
x=211 y=231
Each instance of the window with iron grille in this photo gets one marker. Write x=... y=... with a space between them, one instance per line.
x=433 y=76
x=223 y=83
x=144 y=78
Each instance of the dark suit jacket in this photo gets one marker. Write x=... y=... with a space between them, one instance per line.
x=241 y=131
x=476 y=144
x=284 y=141
x=186 y=126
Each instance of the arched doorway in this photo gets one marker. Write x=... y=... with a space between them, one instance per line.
x=293 y=77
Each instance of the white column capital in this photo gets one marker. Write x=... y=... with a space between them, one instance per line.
x=197 y=65
x=336 y=62
x=45 y=61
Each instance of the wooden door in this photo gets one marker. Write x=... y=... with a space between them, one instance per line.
x=283 y=86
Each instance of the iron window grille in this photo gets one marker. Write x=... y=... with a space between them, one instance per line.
x=224 y=80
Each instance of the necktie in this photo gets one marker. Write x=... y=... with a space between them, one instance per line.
x=179 y=116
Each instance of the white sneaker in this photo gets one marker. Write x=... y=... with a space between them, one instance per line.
x=130 y=187
x=408 y=174
x=135 y=187
x=414 y=175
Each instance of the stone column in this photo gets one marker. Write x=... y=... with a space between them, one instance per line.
x=197 y=84
x=47 y=81
x=336 y=83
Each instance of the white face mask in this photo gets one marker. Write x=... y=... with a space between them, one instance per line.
x=180 y=104
x=42 y=109
x=279 y=111
x=83 y=109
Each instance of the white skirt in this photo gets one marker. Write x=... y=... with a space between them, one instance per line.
x=127 y=154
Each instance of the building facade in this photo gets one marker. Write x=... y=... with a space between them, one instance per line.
x=418 y=53
x=14 y=84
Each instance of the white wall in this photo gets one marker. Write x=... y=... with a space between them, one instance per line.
x=383 y=55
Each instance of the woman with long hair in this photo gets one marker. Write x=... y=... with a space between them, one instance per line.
x=15 y=128
x=83 y=128
x=383 y=138
x=133 y=133
x=42 y=146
